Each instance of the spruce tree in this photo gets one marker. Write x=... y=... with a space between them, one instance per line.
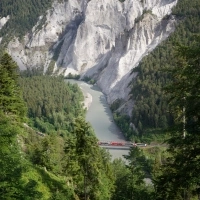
x=95 y=176
x=11 y=102
x=180 y=174
x=12 y=114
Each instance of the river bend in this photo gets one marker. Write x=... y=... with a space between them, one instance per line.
x=100 y=117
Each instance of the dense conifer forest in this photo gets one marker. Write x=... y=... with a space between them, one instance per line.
x=151 y=112
x=49 y=101
x=48 y=150
x=24 y=14
x=59 y=166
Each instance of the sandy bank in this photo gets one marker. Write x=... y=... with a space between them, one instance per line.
x=87 y=100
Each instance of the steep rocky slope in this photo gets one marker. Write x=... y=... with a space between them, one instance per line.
x=102 y=39
x=3 y=21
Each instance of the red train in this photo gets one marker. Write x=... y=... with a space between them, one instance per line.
x=114 y=143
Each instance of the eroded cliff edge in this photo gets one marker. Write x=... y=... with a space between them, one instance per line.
x=101 y=39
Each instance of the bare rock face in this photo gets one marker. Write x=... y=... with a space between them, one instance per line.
x=3 y=21
x=101 y=39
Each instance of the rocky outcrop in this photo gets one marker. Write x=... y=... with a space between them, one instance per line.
x=3 y=21
x=101 y=39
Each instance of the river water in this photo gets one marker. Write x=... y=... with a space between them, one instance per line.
x=100 y=117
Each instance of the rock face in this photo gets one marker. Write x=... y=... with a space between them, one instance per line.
x=101 y=39
x=3 y=21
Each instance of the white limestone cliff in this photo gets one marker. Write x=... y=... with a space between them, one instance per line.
x=102 y=39
x=3 y=21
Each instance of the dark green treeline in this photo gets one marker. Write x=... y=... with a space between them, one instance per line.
x=151 y=110
x=52 y=103
x=72 y=166
x=23 y=16
x=178 y=177
x=52 y=164
x=49 y=159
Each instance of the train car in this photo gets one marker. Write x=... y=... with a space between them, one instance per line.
x=117 y=143
x=103 y=143
x=129 y=144
x=140 y=144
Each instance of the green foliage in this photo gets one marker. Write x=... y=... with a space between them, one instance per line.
x=23 y=15
x=75 y=155
x=50 y=68
x=49 y=165
x=116 y=104
x=141 y=17
x=19 y=177
x=130 y=178
x=155 y=136
x=89 y=80
x=77 y=158
x=73 y=163
x=72 y=76
x=11 y=102
x=38 y=166
x=123 y=122
x=49 y=186
x=178 y=178
x=151 y=109
x=12 y=114
x=11 y=170
x=32 y=72
x=52 y=103
x=92 y=165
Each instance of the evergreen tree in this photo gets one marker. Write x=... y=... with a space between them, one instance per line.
x=130 y=178
x=180 y=174
x=10 y=161
x=52 y=103
x=12 y=114
x=94 y=174
x=151 y=110
x=11 y=102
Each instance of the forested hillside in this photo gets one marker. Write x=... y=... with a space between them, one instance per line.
x=72 y=166
x=52 y=103
x=64 y=162
x=48 y=151
x=23 y=16
x=178 y=177
x=151 y=108
x=54 y=165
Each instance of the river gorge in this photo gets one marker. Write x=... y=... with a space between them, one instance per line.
x=100 y=117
